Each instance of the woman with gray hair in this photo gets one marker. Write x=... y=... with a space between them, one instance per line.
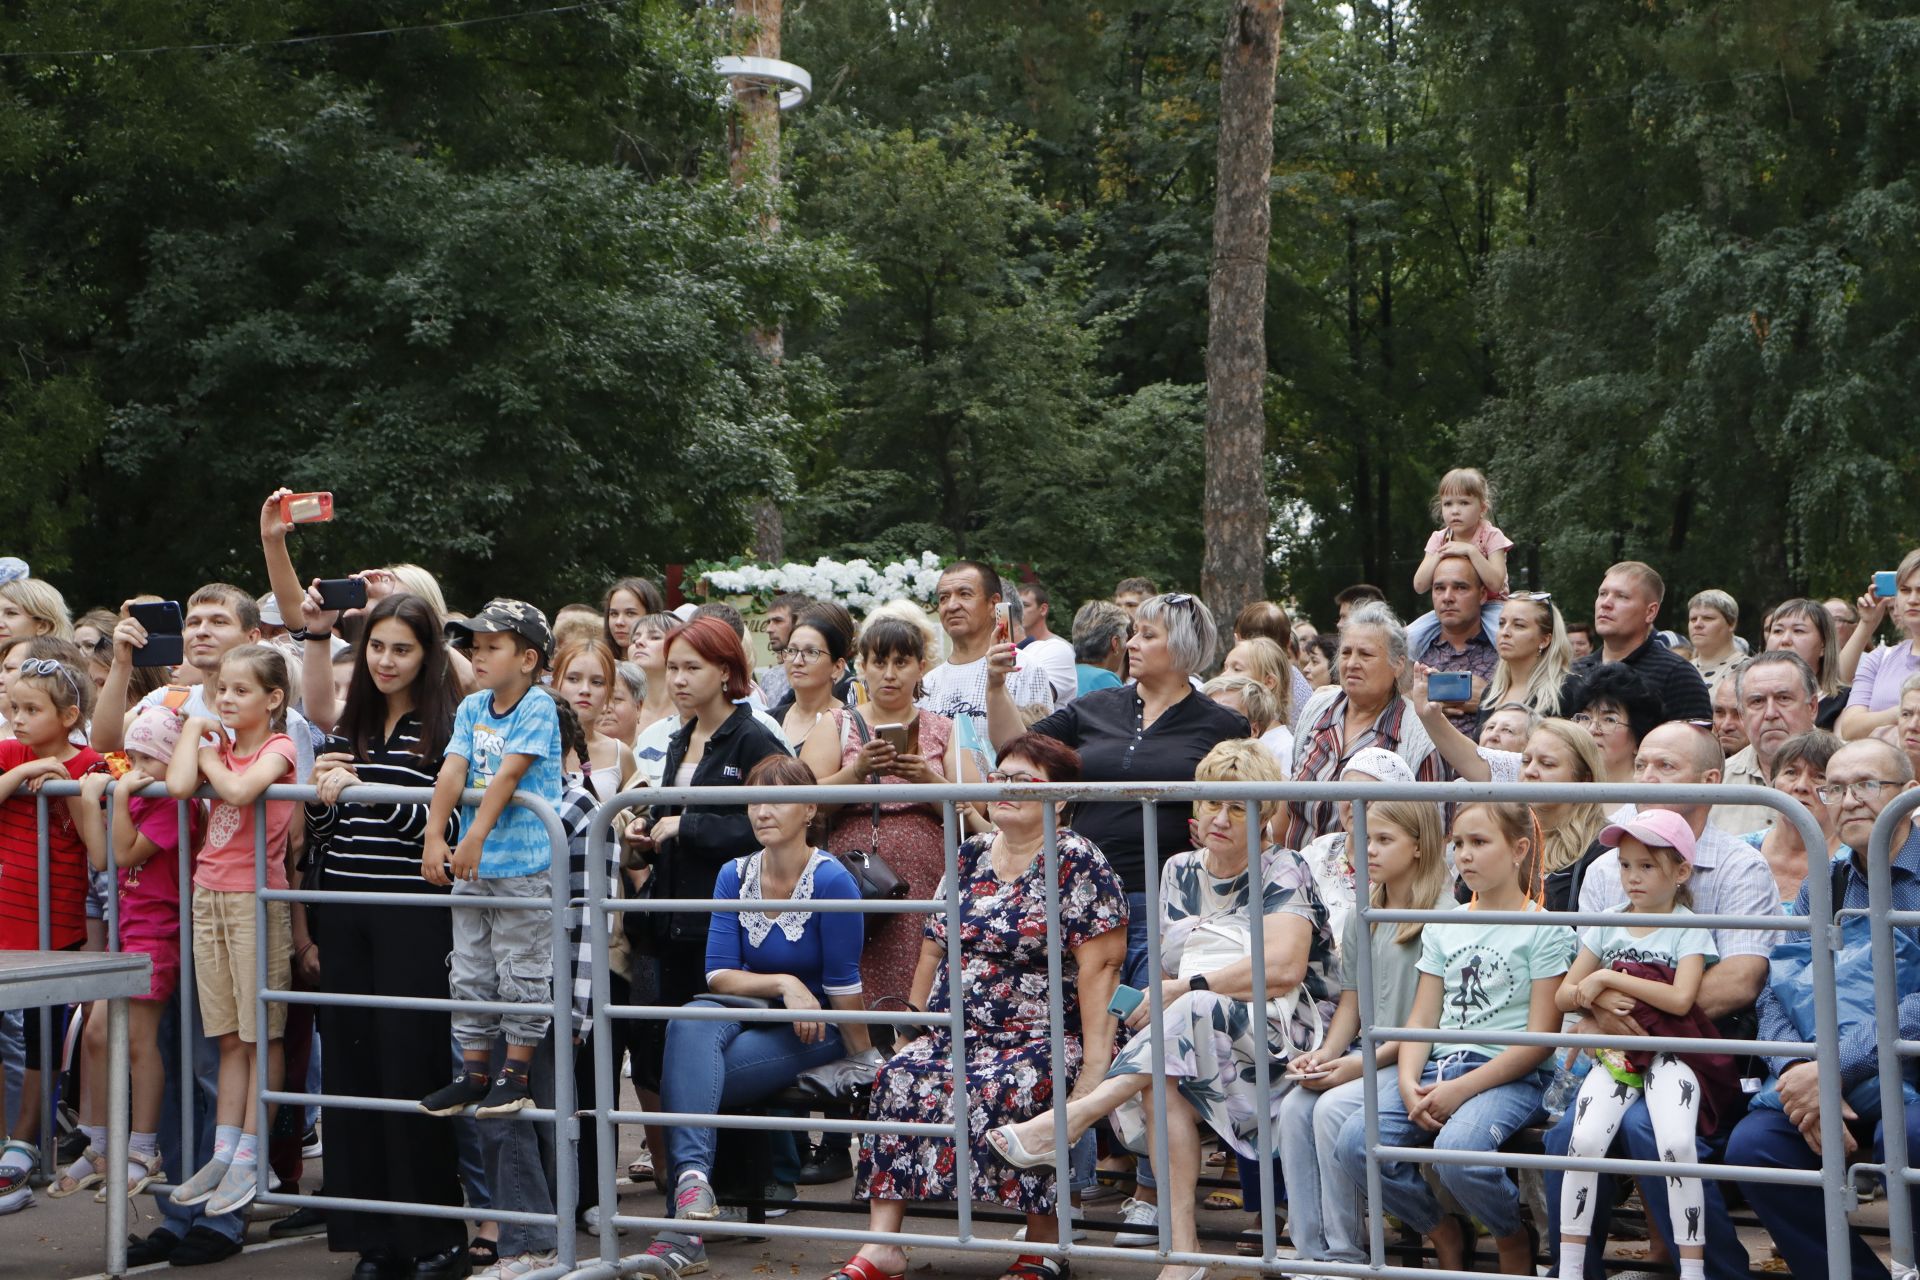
x=1366 y=706
x=1156 y=729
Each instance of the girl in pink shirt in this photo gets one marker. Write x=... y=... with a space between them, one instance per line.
x=239 y=758
x=146 y=849
x=1461 y=505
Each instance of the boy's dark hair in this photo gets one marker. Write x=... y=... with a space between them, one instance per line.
x=1358 y=593
x=246 y=610
x=726 y=613
x=1144 y=586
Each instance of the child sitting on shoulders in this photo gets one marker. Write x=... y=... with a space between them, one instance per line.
x=1461 y=505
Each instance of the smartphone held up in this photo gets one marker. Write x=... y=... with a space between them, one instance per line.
x=306 y=508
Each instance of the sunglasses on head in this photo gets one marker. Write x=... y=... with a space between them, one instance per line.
x=50 y=667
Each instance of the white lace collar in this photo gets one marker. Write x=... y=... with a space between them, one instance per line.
x=791 y=923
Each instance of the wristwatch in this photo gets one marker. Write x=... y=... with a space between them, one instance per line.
x=1198 y=982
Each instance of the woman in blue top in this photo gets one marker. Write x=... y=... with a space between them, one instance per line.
x=796 y=959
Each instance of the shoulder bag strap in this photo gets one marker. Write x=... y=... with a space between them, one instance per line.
x=865 y=735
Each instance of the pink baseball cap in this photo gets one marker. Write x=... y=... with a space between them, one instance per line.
x=1655 y=828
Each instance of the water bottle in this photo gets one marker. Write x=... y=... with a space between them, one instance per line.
x=1571 y=1070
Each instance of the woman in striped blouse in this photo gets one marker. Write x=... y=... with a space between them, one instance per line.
x=398 y=715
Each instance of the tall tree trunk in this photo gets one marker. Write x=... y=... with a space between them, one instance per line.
x=754 y=161
x=1236 y=513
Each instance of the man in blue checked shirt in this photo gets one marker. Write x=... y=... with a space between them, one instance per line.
x=1862 y=780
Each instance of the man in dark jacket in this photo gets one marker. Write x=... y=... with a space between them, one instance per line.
x=1623 y=615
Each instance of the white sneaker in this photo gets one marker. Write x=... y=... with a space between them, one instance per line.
x=524 y=1265
x=1141 y=1214
x=1073 y=1216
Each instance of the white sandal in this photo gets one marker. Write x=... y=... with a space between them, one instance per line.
x=96 y=1173
x=142 y=1172
x=1012 y=1151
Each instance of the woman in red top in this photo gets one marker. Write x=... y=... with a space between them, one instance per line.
x=47 y=700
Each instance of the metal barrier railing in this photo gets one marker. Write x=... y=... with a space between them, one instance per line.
x=1893 y=1050
x=602 y=909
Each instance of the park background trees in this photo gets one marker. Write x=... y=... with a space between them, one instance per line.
x=1649 y=265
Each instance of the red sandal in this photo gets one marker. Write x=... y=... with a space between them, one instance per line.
x=1031 y=1266
x=858 y=1268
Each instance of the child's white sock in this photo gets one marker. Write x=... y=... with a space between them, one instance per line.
x=143 y=1144
x=1573 y=1260
x=247 y=1150
x=225 y=1138
x=690 y=1173
x=1693 y=1269
x=96 y=1136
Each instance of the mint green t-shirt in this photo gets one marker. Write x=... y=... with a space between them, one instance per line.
x=1488 y=972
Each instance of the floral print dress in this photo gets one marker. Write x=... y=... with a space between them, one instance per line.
x=1003 y=946
x=1211 y=1040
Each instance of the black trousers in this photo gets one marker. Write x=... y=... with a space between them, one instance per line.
x=386 y=1053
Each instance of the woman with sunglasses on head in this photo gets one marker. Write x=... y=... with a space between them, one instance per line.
x=1534 y=654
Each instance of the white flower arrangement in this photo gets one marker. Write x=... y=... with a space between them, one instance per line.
x=857 y=584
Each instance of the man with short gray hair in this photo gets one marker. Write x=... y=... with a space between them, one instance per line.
x=1778 y=697
x=1100 y=632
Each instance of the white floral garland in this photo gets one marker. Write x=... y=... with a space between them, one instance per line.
x=857 y=584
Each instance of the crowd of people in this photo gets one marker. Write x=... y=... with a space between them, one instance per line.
x=603 y=702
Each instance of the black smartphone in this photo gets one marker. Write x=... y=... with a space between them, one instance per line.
x=166 y=644
x=334 y=744
x=338 y=594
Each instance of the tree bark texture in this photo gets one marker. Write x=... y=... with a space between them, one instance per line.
x=1236 y=515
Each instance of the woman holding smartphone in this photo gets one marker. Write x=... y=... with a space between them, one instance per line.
x=888 y=739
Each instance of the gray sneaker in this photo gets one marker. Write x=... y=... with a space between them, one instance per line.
x=686 y=1258
x=779 y=1195
x=1145 y=1219
x=693 y=1201
x=202 y=1184
x=235 y=1191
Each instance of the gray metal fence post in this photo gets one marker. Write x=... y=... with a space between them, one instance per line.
x=1257 y=1019
x=1157 y=1018
x=45 y=1012
x=1834 y=1193
x=184 y=998
x=566 y=1125
x=1369 y=1048
x=262 y=1009
x=1886 y=1026
x=605 y=1068
x=1056 y=1029
x=957 y=1028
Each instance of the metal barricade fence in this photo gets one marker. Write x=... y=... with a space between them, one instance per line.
x=1893 y=1050
x=603 y=910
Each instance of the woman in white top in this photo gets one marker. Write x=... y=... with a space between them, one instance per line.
x=584 y=673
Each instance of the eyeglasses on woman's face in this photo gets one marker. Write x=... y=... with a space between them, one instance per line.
x=804 y=657
x=1606 y=721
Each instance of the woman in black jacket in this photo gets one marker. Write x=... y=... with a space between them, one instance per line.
x=717 y=745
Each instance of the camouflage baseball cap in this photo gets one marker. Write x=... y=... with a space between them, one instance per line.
x=516 y=616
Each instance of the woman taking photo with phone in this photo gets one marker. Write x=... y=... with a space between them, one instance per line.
x=394 y=729
x=1875 y=699
x=887 y=739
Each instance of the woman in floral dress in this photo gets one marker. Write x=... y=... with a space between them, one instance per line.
x=1003 y=944
x=1213 y=1039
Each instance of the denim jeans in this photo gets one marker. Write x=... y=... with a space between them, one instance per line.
x=1766 y=1138
x=713 y=1065
x=13 y=1062
x=1726 y=1256
x=1482 y=1123
x=183 y=1158
x=1325 y=1220
x=519 y=1156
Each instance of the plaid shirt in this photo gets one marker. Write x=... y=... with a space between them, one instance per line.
x=1320 y=756
x=576 y=813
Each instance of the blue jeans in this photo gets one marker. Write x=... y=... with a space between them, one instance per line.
x=181 y=1158
x=1482 y=1123
x=1726 y=1256
x=519 y=1156
x=1766 y=1137
x=713 y=1065
x=1325 y=1220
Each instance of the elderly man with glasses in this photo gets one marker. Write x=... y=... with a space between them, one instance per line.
x=1863 y=778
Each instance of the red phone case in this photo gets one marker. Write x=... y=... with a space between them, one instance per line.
x=306 y=508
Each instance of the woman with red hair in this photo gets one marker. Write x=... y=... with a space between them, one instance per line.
x=717 y=745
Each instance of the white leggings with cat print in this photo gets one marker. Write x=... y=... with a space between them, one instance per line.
x=1673 y=1104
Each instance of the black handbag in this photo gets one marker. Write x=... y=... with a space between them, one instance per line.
x=877 y=880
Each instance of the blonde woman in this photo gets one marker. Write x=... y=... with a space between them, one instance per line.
x=1535 y=655
x=1254 y=701
x=1406 y=871
x=30 y=607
